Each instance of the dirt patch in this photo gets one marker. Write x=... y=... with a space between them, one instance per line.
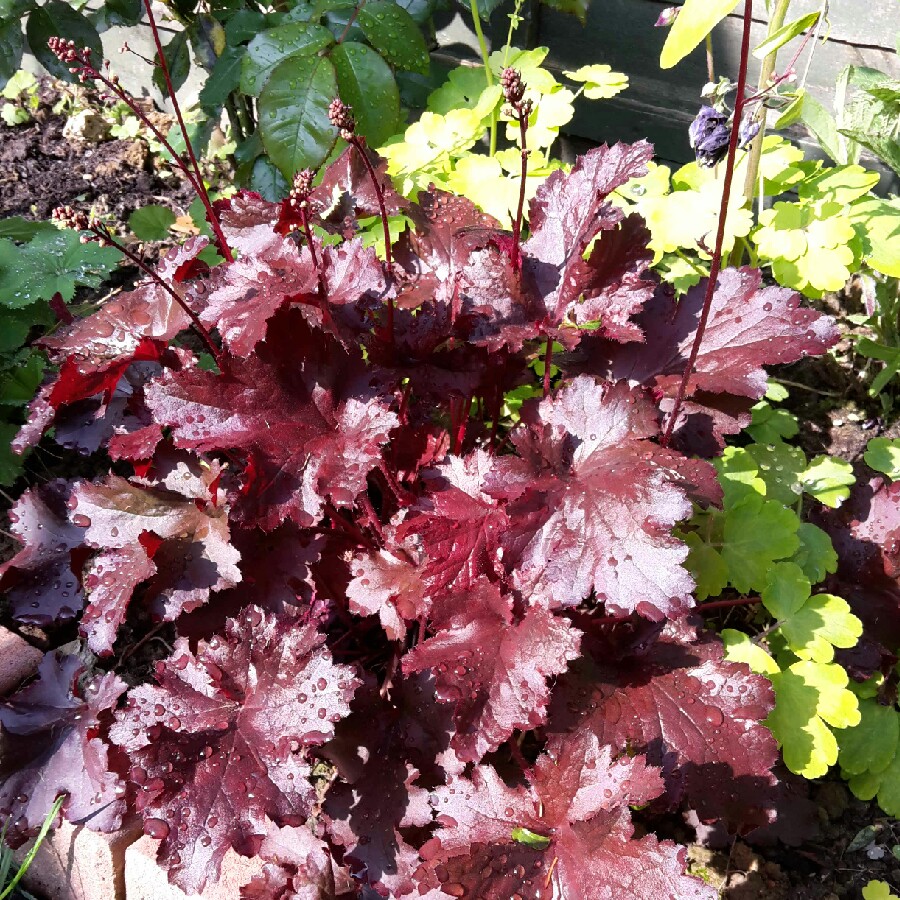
x=41 y=168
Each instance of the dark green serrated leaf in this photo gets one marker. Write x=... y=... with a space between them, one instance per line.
x=269 y=49
x=530 y=838
x=577 y=8
x=366 y=82
x=20 y=381
x=123 y=12
x=224 y=78
x=12 y=42
x=267 y=181
x=293 y=113
x=178 y=59
x=57 y=18
x=10 y=463
x=151 y=223
x=53 y=263
x=393 y=32
x=18 y=229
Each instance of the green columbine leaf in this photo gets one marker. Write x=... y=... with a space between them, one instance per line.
x=393 y=32
x=151 y=223
x=293 y=113
x=828 y=479
x=270 y=48
x=878 y=890
x=53 y=262
x=810 y=697
x=705 y=563
x=883 y=455
x=880 y=219
x=870 y=753
x=696 y=20
x=600 y=82
x=757 y=533
x=776 y=392
x=839 y=184
x=768 y=424
x=815 y=555
x=738 y=475
x=366 y=82
x=530 y=839
x=780 y=466
x=739 y=648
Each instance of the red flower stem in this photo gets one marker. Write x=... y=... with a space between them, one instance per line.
x=548 y=359
x=716 y=265
x=366 y=505
x=198 y=186
x=360 y=147
x=517 y=224
x=198 y=326
x=350 y=21
x=308 y=233
x=727 y=604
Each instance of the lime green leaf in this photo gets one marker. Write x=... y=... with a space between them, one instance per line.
x=270 y=48
x=828 y=479
x=151 y=223
x=815 y=555
x=293 y=113
x=600 y=82
x=878 y=890
x=681 y=273
x=56 y=18
x=809 y=697
x=739 y=648
x=768 y=425
x=776 y=392
x=14 y=115
x=552 y=110
x=705 y=563
x=19 y=84
x=393 y=32
x=366 y=82
x=785 y=33
x=738 y=475
x=757 y=533
x=461 y=90
x=530 y=838
x=786 y=591
x=482 y=180
x=53 y=262
x=819 y=121
x=883 y=455
x=18 y=229
x=695 y=21
x=841 y=184
x=823 y=623
x=880 y=219
x=871 y=745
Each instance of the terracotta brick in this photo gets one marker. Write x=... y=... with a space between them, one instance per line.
x=75 y=863
x=18 y=660
x=145 y=880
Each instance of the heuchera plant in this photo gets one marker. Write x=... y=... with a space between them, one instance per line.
x=459 y=643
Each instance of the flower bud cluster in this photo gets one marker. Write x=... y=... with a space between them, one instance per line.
x=514 y=93
x=341 y=116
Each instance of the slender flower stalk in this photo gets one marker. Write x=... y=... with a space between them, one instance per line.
x=79 y=62
x=520 y=110
x=341 y=116
x=78 y=221
x=716 y=264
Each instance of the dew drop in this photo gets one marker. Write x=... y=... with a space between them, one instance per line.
x=156 y=828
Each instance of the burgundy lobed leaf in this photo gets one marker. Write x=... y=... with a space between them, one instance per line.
x=693 y=713
x=187 y=540
x=41 y=582
x=750 y=326
x=492 y=666
x=51 y=746
x=576 y=809
x=218 y=745
x=392 y=743
x=591 y=503
x=567 y=213
x=301 y=408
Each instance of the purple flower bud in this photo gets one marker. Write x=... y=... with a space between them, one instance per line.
x=749 y=129
x=709 y=135
x=667 y=17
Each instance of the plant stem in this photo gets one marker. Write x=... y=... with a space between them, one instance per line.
x=726 y=604
x=716 y=262
x=360 y=147
x=548 y=359
x=199 y=186
x=350 y=21
x=517 y=224
x=104 y=235
x=765 y=75
x=710 y=60
x=488 y=74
